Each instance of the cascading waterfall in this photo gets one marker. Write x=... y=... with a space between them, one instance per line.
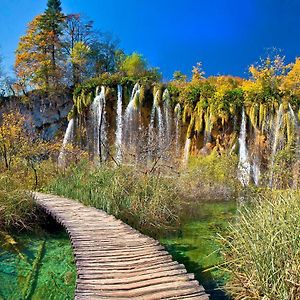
x=151 y=134
x=119 y=123
x=168 y=116
x=270 y=132
x=296 y=167
x=256 y=162
x=160 y=122
x=244 y=167
x=256 y=171
x=177 y=111
x=99 y=123
x=186 y=152
x=158 y=141
x=67 y=139
x=131 y=117
x=278 y=124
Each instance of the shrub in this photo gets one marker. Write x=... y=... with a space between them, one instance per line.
x=211 y=178
x=263 y=249
x=17 y=207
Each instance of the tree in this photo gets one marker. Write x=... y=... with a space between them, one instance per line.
x=39 y=58
x=51 y=28
x=53 y=6
x=198 y=73
x=79 y=57
x=179 y=76
x=101 y=57
x=134 y=65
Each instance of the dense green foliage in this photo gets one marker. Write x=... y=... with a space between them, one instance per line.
x=211 y=178
x=262 y=249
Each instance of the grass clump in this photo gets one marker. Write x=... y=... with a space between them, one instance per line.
x=148 y=202
x=262 y=249
x=17 y=207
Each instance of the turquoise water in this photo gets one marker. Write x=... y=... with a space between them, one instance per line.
x=39 y=266
x=197 y=248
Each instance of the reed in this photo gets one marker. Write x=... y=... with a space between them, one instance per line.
x=147 y=202
x=262 y=250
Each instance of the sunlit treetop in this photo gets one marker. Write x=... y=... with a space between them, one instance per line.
x=53 y=6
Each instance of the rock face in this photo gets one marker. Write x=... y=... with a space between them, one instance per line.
x=48 y=115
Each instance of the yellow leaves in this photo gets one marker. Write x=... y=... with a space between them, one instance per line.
x=80 y=53
x=291 y=82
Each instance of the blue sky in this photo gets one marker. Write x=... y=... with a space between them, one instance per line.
x=226 y=36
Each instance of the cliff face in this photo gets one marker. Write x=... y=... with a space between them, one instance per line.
x=48 y=115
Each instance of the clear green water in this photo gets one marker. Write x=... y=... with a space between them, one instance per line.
x=41 y=266
x=197 y=248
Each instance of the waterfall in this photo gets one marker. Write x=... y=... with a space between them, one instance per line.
x=256 y=162
x=67 y=139
x=296 y=166
x=177 y=111
x=168 y=116
x=256 y=171
x=119 y=125
x=278 y=124
x=187 y=148
x=151 y=134
x=131 y=117
x=99 y=125
x=244 y=165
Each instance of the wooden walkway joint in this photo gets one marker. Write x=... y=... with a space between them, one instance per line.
x=114 y=261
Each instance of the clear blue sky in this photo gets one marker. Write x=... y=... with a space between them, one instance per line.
x=226 y=35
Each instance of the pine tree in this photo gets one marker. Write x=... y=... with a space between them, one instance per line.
x=40 y=60
x=53 y=7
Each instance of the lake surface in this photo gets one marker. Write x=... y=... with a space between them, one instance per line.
x=197 y=248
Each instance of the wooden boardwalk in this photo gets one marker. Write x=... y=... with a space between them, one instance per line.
x=114 y=261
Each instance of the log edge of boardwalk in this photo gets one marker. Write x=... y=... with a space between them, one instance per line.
x=115 y=261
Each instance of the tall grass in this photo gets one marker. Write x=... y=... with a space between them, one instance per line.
x=147 y=202
x=263 y=249
x=17 y=207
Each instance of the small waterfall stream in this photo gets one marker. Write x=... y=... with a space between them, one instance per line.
x=276 y=139
x=177 y=111
x=186 y=153
x=168 y=117
x=244 y=167
x=119 y=126
x=131 y=118
x=67 y=139
x=98 y=113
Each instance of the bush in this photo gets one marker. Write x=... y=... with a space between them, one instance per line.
x=17 y=207
x=211 y=178
x=263 y=249
x=146 y=202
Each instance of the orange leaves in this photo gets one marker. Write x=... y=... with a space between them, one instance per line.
x=37 y=57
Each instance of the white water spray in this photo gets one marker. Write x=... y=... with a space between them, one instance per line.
x=244 y=167
x=67 y=139
x=119 y=123
x=99 y=124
